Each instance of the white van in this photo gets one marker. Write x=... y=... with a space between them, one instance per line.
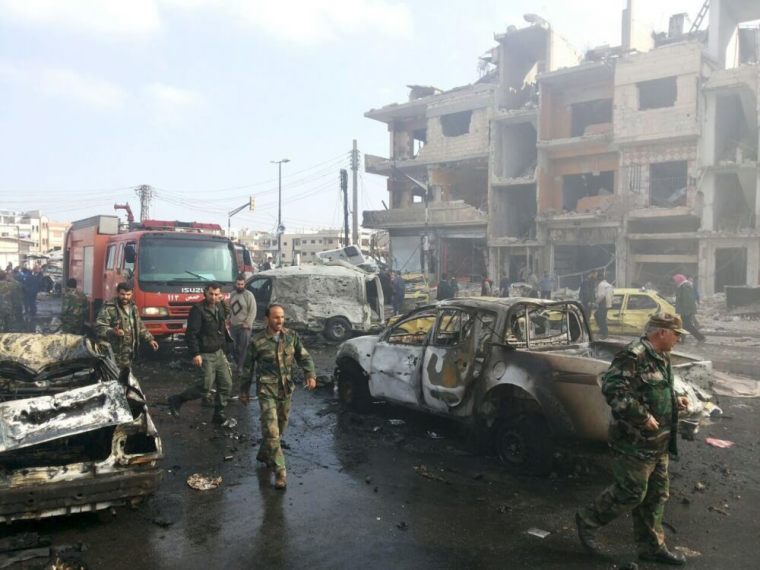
x=336 y=300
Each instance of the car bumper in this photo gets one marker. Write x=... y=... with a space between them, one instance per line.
x=36 y=501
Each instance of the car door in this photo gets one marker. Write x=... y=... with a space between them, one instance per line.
x=261 y=287
x=397 y=359
x=638 y=308
x=615 y=314
x=454 y=356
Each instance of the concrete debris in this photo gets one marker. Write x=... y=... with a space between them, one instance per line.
x=204 y=482
x=402 y=526
x=720 y=443
x=699 y=486
x=687 y=552
x=718 y=510
x=503 y=509
x=396 y=422
x=537 y=532
x=422 y=470
x=433 y=435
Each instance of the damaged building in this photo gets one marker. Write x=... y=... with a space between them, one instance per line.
x=640 y=158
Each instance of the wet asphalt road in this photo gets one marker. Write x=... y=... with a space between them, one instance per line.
x=355 y=500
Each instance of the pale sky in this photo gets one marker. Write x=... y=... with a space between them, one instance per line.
x=196 y=97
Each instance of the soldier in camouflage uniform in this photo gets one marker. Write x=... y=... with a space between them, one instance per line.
x=206 y=338
x=6 y=303
x=120 y=324
x=271 y=355
x=638 y=387
x=74 y=309
x=17 y=299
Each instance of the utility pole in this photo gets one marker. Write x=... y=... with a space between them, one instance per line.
x=280 y=227
x=145 y=193
x=355 y=169
x=344 y=189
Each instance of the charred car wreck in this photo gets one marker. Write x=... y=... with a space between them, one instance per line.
x=522 y=372
x=75 y=435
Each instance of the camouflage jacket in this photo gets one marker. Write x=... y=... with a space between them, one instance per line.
x=6 y=298
x=74 y=310
x=639 y=383
x=273 y=360
x=129 y=321
x=17 y=295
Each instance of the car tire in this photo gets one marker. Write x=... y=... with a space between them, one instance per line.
x=337 y=329
x=524 y=444
x=353 y=386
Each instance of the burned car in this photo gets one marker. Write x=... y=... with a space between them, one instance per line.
x=522 y=372
x=75 y=434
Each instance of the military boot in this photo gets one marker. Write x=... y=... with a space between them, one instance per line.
x=587 y=536
x=664 y=556
x=175 y=403
x=280 y=479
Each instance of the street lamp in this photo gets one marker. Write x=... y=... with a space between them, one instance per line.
x=280 y=228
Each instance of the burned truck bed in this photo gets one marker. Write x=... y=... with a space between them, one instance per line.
x=75 y=434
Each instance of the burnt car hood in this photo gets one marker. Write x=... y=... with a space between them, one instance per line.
x=46 y=393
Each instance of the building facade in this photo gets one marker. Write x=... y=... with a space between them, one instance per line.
x=639 y=159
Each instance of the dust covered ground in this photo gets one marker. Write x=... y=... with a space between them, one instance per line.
x=366 y=491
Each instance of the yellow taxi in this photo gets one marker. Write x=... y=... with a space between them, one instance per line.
x=631 y=309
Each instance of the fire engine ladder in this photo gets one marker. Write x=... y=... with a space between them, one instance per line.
x=700 y=17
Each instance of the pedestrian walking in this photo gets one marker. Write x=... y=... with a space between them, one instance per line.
x=486 y=286
x=546 y=286
x=242 y=305
x=587 y=292
x=75 y=309
x=603 y=303
x=119 y=323
x=686 y=306
x=444 y=289
x=453 y=287
x=271 y=356
x=399 y=291
x=207 y=337
x=638 y=387
x=504 y=285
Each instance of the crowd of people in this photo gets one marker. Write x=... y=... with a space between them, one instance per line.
x=19 y=287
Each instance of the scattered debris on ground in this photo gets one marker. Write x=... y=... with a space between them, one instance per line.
x=204 y=482
x=540 y=533
x=422 y=470
x=719 y=443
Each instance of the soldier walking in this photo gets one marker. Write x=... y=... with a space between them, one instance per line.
x=120 y=324
x=74 y=309
x=638 y=387
x=271 y=355
x=207 y=337
x=6 y=303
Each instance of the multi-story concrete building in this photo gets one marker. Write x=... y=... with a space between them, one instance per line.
x=640 y=158
x=34 y=227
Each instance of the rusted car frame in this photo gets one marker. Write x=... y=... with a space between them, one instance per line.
x=75 y=434
x=524 y=371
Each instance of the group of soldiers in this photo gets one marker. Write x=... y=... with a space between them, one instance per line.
x=638 y=387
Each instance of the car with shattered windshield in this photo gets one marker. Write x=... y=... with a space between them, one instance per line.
x=522 y=372
x=75 y=433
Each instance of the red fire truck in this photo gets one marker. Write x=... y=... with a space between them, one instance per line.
x=168 y=264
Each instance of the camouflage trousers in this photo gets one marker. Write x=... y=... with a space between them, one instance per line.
x=215 y=372
x=641 y=486
x=6 y=321
x=274 y=403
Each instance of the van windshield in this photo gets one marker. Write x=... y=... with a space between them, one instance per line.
x=185 y=259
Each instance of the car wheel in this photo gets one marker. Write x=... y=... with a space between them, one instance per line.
x=353 y=386
x=524 y=444
x=337 y=329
